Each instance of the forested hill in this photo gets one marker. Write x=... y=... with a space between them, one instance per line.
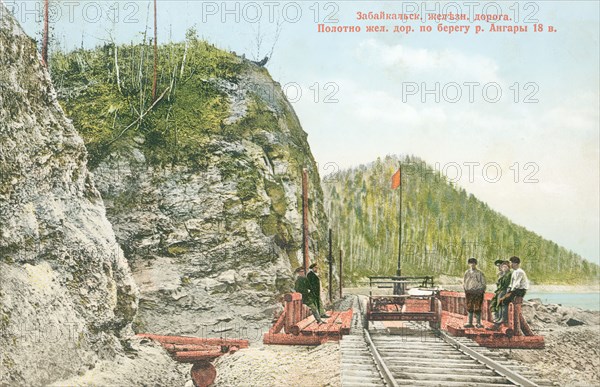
x=443 y=225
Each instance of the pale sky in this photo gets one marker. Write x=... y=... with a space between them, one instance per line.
x=547 y=151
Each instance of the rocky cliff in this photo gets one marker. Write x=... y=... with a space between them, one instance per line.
x=204 y=190
x=66 y=290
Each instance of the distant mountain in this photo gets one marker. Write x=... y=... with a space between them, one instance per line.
x=442 y=227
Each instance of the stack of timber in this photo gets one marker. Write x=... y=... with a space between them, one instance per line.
x=198 y=351
x=515 y=334
x=297 y=326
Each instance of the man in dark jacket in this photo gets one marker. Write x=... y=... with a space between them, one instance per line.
x=502 y=285
x=474 y=285
x=301 y=284
x=314 y=285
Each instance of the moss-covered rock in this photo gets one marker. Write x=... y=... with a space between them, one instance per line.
x=207 y=182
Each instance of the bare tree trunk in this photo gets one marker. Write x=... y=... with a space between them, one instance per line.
x=141 y=69
x=155 y=56
x=45 y=37
x=117 y=68
x=184 y=58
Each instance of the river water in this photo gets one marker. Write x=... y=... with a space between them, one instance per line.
x=590 y=301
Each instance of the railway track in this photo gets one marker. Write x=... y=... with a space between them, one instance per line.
x=419 y=356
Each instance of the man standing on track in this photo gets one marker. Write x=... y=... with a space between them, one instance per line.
x=474 y=285
x=314 y=285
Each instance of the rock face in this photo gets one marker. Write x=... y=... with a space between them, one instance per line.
x=212 y=246
x=66 y=291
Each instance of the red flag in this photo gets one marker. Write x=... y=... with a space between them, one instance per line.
x=396 y=179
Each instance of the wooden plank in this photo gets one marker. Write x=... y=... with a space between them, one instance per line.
x=191 y=347
x=517 y=319
x=195 y=340
x=331 y=325
x=525 y=326
x=346 y=318
x=196 y=356
x=292 y=296
x=282 y=339
x=276 y=328
x=289 y=320
x=522 y=342
x=301 y=325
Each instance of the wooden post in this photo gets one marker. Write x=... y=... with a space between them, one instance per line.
x=330 y=268
x=45 y=35
x=305 y=218
x=399 y=269
x=155 y=75
x=511 y=317
x=341 y=273
x=399 y=287
x=484 y=310
x=518 y=301
x=289 y=316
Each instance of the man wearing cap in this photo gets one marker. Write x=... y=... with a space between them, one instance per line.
x=474 y=285
x=502 y=285
x=519 y=283
x=314 y=285
x=301 y=284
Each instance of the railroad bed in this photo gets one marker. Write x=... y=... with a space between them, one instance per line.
x=418 y=356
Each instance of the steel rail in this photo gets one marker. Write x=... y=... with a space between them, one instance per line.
x=512 y=376
x=383 y=369
x=387 y=366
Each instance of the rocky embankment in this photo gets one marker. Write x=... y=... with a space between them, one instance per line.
x=212 y=235
x=67 y=295
x=572 y=335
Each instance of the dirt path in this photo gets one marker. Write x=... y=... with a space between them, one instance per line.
x=281 y=365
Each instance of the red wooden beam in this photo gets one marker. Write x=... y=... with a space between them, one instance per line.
x=525 y=327
x=290 y=316
x=283 y=339
x=523 y=342
x=196 y=356
x=334 y=323
x=324 y=329
x=195 y=340
x=300 y=326
x=292 y=296
x=305 y=312
x=276 y=328
x=192 y=347
x=346 y=318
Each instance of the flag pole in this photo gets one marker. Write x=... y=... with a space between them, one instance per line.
x=399 y=270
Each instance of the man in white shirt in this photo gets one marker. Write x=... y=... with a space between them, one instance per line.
x=518 y=287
